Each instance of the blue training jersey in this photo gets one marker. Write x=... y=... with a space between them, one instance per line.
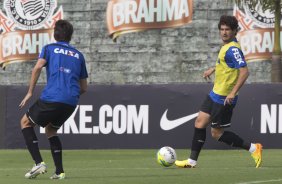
x=65 y=66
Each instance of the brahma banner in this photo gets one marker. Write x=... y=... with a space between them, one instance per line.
x=257 y=31
x=25 y=27
x=124 y=16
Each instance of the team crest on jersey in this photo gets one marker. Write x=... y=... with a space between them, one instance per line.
x=29 y=14
x=25 y=27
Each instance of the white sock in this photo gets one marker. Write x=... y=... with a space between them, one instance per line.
x=252 y=148
x=192 y=162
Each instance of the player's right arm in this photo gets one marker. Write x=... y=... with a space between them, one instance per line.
x=208 y=73
x=34 y=78
x=83 y=85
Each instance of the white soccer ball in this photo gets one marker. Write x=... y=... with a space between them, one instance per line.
x=166 y=156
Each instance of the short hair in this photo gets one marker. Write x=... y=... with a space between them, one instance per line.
x=230 y=21
x=63 y=31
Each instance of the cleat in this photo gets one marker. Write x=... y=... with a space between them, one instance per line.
x=40 y=168
x=257 y=155
x=58 y=176
x=184 y=164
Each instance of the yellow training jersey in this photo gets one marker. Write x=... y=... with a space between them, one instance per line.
x=230 y=59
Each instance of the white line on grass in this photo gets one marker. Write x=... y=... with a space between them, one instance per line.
x=262 y=181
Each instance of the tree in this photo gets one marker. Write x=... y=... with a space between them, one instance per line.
x=275 y=7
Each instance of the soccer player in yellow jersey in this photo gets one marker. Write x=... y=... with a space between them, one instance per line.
x=231 y=72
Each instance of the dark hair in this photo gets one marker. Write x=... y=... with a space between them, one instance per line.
x=229 y=21
x=63 y=31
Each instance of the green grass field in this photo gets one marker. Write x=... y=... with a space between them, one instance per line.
x=140 y=166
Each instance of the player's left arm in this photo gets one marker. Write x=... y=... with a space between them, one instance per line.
x=243 y=75
x=239 y=63
x=34 y=78
x=83 y=76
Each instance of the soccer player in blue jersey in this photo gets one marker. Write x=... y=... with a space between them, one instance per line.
x=231 y=72
x=66 y=81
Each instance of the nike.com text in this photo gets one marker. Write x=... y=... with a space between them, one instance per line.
x=119 y=119
x=271 y=118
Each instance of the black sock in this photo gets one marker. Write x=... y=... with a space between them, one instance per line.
x=199 y=139
x=56 y=150
x=31 y=142
x=234 y=140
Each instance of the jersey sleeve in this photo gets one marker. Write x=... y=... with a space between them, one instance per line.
x=235 y=58
x=44 y=54
x=83 y=72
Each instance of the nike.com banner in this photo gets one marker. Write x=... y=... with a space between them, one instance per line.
x=151 y=116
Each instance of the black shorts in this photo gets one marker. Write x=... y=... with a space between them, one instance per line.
x=42 y=113
x=220 y=114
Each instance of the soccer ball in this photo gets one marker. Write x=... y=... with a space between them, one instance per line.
x=166 y=156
